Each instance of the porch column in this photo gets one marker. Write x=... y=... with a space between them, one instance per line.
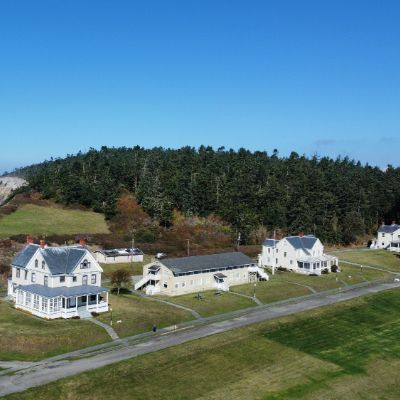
x=97 y=302
x=107 y=297
x=76 y=305
x=87 y=302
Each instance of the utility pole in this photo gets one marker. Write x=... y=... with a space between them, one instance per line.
x=188 y=247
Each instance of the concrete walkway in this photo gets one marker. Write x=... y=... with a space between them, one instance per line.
x=51 y=370
x=193 y=312
x=311 y=289
x=257 y=301
x=108 y=328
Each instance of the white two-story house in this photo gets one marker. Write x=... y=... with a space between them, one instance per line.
x=388 y=238
x=303 y=254
x=57 y=282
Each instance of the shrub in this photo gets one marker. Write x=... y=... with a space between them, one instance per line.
x=312 y=274
x=283 y=269
x=325 y=271
x=334 y=268
x=94 y=314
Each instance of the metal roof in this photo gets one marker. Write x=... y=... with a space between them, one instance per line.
x=270 y=242
x=120 y=252
x=64 y=291
x=388 y=228
x=59 y=260
x=200 y=263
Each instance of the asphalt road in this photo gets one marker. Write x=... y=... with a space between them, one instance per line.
x=36 y=374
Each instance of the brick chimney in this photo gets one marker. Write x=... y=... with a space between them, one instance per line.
x=82 y=242
x=301 y=234
x=29 y=240
x=393 y=222
x=42 y=243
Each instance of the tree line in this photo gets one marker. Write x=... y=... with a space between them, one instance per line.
x=337 y=199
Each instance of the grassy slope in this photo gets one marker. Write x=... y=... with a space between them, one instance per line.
x=211 y=304
x=139 y=315
x=40 y=220
x=349 y=350
x=375 y=258
x=24 y=337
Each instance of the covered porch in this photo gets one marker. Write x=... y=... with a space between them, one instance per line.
x=316 y=265
x=62 y=302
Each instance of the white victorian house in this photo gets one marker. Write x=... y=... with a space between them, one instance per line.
x=388 y=238
x=303 y=254
x=57 y=282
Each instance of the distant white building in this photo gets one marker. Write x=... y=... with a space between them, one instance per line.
x=119 y=255
x=303 y=254
x=57 y=282
x=388 y=238
x=176 y=276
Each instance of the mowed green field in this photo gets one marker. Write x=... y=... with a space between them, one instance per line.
x=25 y=337
x=375 y=258
x=40 y=220
x=347 y=351
x=138 y=315
x=212 y=302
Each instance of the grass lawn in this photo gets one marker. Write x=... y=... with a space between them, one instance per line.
x=211 y=303
x=135 y=268
x=375 y=258
x=40 y=220
x=139 y=315
x=346 y=351
x=25 y=337
x=273 y=290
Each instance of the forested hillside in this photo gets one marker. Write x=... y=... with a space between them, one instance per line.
x=337 y=199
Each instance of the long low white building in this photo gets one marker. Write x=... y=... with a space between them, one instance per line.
x=303 y=254
x=119 y=255
x=176 y=276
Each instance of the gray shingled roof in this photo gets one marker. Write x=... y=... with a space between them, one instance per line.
x=302 y=242
x=388 y=228
x=200 y=263
x=63 y=290
x=270 y=242
x=60 y=260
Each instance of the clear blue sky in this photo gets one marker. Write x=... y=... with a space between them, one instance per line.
x=311 y=76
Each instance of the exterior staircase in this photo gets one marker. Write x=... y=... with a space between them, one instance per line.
x=139 y=285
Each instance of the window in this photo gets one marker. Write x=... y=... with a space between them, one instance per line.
x=191 y=281
x=36 y=263
x=20 y=297
x=383 y=235
x=176 y=285
x=55 y=304
x=33 y=277
x=183 y=284
x=93 y=297
x=46 y=281
x=269 y=250
x=165 y=284
x=291 y=262
x=18 y=273
x=84 y=280
x=62 y=278
x=93 y=280
x=44 y=304
x=26 y=274
x=43 y=265
x=284 y=254
x=36 y=302
x=28 y=299
x=85 y=264
x=276 y=250
x=74 y=279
